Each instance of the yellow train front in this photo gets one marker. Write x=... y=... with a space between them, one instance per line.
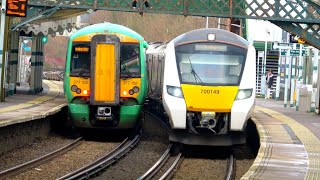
x=203 y=83
x=105 y=83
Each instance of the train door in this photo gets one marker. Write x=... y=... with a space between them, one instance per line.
x=105 y=70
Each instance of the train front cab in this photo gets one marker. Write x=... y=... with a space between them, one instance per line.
x=107 y=85
x=211 y=101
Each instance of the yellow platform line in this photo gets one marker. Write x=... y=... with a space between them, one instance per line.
x=309 y=140
x=53 y=92
x=263 y=155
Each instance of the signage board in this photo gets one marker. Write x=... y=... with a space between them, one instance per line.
x=296 y=52
x=277 y=45
x=283 y=52
x=282 y=70
x=293 y=52
x=17 y=8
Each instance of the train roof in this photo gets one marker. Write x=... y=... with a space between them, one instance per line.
x=111 y=28
x=156 y=47
x=202 y=35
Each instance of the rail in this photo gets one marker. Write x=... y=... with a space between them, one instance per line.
x=230 y=168
x=105 y=161
x=22 y=167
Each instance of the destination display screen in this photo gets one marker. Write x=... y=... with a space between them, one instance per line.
x=16 y=8
x=81 y=49
x=210 y=47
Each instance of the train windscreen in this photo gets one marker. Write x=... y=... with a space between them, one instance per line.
x=80 y=60
x=210 y=63
x=129 y=60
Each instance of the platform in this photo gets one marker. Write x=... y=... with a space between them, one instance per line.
x=22 y=107
x=289 y=143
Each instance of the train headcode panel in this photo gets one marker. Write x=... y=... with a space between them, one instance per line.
x=16 y=8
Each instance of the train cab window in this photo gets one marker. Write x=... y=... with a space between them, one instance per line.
x=130 y=60
x=210 y=63
x=80 y=60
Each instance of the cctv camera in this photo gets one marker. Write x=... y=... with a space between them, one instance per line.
x=3 y=9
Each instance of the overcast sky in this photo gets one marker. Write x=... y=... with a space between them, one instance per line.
x=259 y=30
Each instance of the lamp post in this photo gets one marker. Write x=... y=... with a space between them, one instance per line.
x=207 y=23
x=2 y=50
x=264 y=66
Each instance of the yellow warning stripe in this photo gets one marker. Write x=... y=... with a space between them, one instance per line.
x=53 y=92
x=309 y=140
x=264 y=152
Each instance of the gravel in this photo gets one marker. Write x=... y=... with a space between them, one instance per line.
x=37 y=148
x=209 y=163
x=242 y=166
x=138 y=161
x=195 y=168
x=87 y=152
x=203 y=162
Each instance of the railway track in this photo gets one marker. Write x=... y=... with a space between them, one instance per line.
x=30 y=164
x=105 y=161
x=230 y=168
x=155 y=169
x=53 y=75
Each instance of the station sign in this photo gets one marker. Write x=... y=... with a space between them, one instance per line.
x=277 y=45
x=283 y=52
x=296 y=52
x=293 y=52
x=16 y=8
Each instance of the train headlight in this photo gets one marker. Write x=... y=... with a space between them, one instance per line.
x=244 y=94
x=174 y=91
x=211 y=37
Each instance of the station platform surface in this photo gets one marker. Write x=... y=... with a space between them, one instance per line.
x=22 y=107
x=289 y=143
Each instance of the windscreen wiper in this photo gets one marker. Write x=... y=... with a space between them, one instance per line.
x=123 y=66
x=81 y=72
x=196 y=76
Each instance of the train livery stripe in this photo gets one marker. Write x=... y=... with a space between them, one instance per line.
x=123 y=38
x=105 y=73
x=209 y=98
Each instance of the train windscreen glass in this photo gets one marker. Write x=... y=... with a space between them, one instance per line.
x=210 y=63
x=130 y=60
x=80 y=60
